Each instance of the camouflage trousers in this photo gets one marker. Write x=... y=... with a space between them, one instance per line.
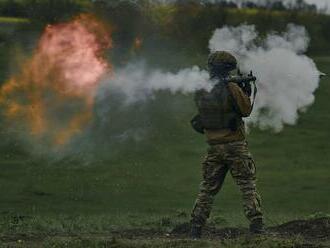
x=220 y=159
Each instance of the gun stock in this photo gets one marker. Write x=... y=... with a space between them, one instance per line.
x=240 y=79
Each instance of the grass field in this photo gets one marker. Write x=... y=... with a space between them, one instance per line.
x=153 y=183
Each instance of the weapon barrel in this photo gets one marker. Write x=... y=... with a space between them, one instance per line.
x=322 y=74
x=240 y=79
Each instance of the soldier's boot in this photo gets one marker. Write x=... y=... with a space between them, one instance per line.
x=257 y=226
x=195 y=232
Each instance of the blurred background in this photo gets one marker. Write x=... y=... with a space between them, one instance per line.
x=151 y=177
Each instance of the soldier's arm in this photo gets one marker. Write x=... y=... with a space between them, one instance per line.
x=241 y=101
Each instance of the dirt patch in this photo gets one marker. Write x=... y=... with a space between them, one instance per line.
x=314 y=231
x=209 y=232
x=309 y=229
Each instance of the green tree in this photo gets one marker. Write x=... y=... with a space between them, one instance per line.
x=50 y=11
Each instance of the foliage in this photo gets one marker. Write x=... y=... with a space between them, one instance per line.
x=12 y=8
x=186 y=24
x=193 y=24
x=189 y=24
x=45 y=11
x=50 y=11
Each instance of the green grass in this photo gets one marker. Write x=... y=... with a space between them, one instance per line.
x=13 y=20
x=89 y=241
x=180 y=243
x=147 y=181
x=292 y=171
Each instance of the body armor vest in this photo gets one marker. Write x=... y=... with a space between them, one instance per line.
x=216 y=109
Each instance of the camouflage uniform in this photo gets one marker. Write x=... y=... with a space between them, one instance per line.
x=220 y=159
x=228 y=151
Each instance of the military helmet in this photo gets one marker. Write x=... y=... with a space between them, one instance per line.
x=219 y=58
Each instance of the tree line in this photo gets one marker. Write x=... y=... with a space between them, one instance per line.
x=185 y=25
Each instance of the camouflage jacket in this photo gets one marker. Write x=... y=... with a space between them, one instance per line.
x=242 y=104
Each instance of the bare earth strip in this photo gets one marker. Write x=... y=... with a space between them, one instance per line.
x=299 y=233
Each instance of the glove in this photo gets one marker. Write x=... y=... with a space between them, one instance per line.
x=247 y=88
x=197 y=125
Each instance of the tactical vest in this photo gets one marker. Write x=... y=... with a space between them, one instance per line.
x=216 y=109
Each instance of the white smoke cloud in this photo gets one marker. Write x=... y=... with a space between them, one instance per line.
x=137 y=83
x=287 y=78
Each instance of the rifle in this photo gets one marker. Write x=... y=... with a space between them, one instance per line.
x=240 y=79
x=244 y=81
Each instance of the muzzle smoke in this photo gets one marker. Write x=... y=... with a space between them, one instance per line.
x=137 y=83
x=287 y=78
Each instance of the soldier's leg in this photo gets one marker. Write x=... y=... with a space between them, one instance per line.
x=214 y=173
x=243 y=171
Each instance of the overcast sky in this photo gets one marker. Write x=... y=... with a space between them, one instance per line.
x=320 y=3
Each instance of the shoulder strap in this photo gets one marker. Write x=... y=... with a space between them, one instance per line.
x=255 y=90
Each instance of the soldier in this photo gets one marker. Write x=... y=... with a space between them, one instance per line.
x=220 y=118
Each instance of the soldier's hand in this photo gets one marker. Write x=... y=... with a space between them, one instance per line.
x=247 y=88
